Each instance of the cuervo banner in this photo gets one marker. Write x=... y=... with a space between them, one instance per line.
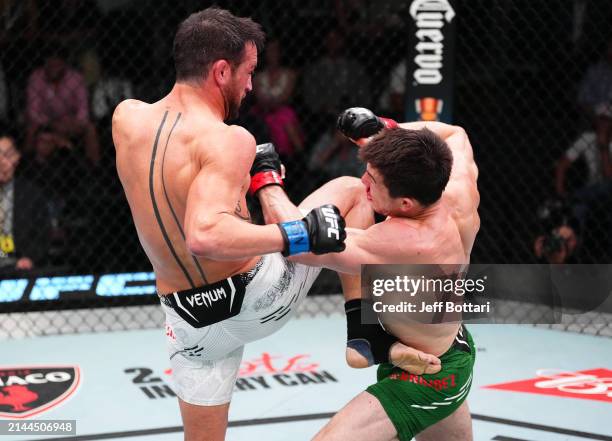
x=429 y=79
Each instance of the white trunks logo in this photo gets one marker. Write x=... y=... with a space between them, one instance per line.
x=332 y=220
x=207 y=298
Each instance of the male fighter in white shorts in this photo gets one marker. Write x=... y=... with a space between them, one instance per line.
x=185 y=174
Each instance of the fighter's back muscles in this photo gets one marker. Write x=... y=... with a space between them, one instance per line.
x=159 y=150
x=213 y=163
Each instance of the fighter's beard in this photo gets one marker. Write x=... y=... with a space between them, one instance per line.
x=230 y=112
x=226 y=107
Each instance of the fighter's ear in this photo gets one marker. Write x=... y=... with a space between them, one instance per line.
x=407 y=204
x=221 y=71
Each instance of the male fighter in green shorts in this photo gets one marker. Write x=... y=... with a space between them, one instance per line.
x=422 y=177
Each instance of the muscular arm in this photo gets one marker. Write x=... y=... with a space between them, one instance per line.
x=373 y=245
x=211 y=229
x=461 y=192
x=444 y=131
x=362 y=247
x=457 y=140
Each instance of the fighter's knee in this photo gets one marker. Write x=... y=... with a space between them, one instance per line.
x=351 y=185
x=348 y=182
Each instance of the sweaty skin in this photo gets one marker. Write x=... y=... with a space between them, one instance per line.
x=445 y=236
x=185 y=174
x=443 y=233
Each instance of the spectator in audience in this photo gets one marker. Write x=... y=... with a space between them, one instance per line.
x=587 y=148
x=47 y=143
x=594 y=197
x=58 y=167
x=557 y=246
x=76 y=201
x=335 y=81
x=274 y=87
x=57 y=97
x=335 y=155
x=558 y=239
x=24 y=216
x=595 y=98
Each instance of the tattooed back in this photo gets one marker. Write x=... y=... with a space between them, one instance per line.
x=168 y=152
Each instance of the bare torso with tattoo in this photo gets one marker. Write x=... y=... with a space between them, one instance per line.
x=158 y=159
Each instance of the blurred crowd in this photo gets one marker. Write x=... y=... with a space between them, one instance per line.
x=65 y=64
x=583 y=205
x=64 y=68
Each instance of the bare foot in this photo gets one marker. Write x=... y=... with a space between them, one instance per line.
x=414 y=361
x=406 y=358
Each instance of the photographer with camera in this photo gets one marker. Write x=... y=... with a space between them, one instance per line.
x=590 y=200
x=558 y=239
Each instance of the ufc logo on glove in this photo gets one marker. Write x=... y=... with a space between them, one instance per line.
x=332 y=220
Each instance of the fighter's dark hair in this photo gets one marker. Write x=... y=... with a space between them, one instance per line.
x=413 y=163
x=210 y=35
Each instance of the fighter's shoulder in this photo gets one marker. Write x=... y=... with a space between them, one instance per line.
x=232 y=142
x=240 y=137
x=128 y=111
x=462 y=197
x=396 y=239
x=126 y=107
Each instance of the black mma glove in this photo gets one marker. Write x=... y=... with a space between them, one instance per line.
x=320 y=231
x=266 y=169
x=358 y=122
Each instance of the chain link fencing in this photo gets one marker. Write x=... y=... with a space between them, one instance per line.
x=532 y=86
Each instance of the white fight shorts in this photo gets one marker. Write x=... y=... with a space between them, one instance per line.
x=205 y=360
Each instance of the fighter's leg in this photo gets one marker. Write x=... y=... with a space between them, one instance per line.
x=203 y=384
x=204 y=423
x=362 y=419
x=455 y=427
x=348 y=194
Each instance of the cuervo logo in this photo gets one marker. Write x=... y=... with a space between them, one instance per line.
x=430 y=17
